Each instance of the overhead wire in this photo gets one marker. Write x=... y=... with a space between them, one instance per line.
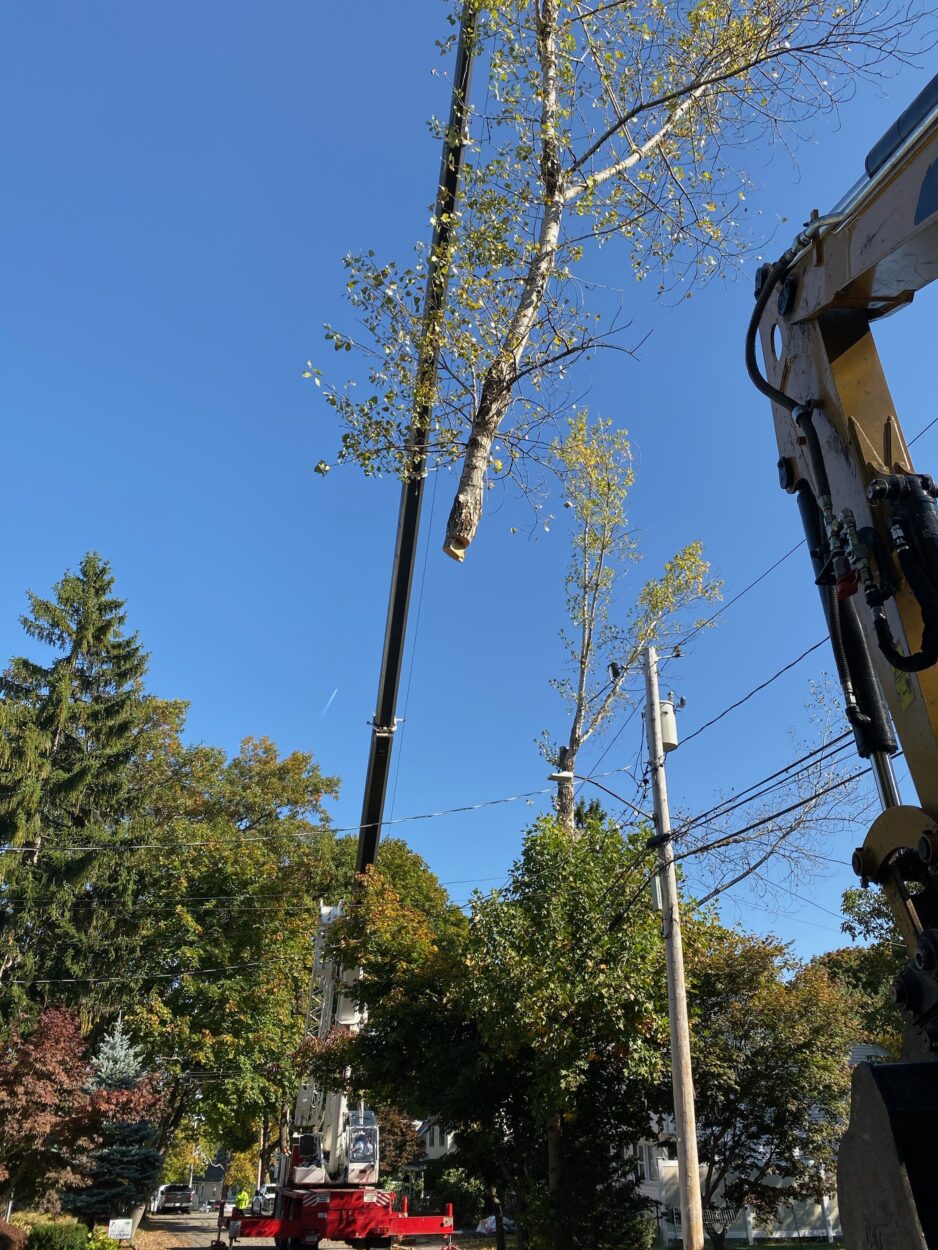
x=755 y=690
x=132 y=976
x=781 y=778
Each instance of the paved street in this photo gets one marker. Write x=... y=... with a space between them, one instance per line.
x=196 y=1232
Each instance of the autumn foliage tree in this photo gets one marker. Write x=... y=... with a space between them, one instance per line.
x=604 y=641
x=534 y=1030
x=44 y=1077
x=771 y=1043
x=147 y=876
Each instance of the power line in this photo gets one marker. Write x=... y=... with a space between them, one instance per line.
x=736 y=598
x=934 y=421
x=247 y=839
x=824 y=752
x=132 y=976
x=725 y=840
x=755 y=690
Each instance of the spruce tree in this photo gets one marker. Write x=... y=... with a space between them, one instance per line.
x=122 y=1167
x=118 y=1063
x=68 y=732
x=81 y=710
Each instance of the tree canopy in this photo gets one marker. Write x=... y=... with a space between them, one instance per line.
x=617 y=124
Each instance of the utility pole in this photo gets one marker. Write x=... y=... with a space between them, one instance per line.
x=692 y=1232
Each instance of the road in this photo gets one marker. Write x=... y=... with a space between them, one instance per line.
x=196 y=1232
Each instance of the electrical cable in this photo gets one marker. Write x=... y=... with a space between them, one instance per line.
x=735 y=599
x=755 y=690
x=265 y=837
x=785 y=776
x=934 y=421
x=132 y=976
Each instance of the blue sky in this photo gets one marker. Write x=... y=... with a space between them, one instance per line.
x=181 y=183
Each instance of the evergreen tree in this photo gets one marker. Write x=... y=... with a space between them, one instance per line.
x=121 y=1173
x=118 y=1063
x=68 y=731
x=82 y=709
x=122 y=1167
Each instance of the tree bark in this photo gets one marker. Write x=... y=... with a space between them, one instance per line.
x=499 y=1218
x=561 y=1230
x=566 y=799
x=501 y=374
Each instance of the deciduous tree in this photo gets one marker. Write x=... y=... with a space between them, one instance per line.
x=602 y=124
x=605 y=641
x=43 y=1082
x=771 y=1046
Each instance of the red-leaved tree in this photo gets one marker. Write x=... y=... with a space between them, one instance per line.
x=44 y=1083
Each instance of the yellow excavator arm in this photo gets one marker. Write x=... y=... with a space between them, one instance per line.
x=871 y=525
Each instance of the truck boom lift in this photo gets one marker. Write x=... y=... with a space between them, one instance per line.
x=871 y=525
x=327 y=1186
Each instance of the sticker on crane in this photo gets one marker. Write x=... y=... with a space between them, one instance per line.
x=904 y=689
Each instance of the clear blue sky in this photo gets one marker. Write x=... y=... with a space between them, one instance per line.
x=181 y=182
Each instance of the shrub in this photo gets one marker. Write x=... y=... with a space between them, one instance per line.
x=11 y=1237
x=58 y=1237
x=465 y=1191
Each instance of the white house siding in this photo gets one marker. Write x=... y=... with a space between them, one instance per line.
x=435 y=1139
x=801 y=1219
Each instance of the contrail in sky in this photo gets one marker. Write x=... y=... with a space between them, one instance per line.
x=329 y=702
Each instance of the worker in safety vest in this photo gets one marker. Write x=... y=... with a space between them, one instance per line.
x=242 y=1198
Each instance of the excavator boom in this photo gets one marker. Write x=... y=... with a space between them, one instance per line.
x=871 y=526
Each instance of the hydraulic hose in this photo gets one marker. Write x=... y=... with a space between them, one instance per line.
x=770 y=276
x=915 y=526
x=769 y=282
x=924 y=592
x=855 y=716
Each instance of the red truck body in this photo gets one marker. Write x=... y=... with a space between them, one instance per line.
x=360 y=1217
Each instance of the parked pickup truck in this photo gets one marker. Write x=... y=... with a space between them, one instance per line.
x=177 y=1198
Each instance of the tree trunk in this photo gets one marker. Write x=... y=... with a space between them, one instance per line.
x=267 y=1150
x=561 y=1230
x=466 y=511
x=566 y=798
x=499 y=378
x=499 y=1218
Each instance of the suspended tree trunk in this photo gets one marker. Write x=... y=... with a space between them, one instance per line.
x=501 y=375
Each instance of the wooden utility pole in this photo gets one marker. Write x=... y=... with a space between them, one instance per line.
x=692 y=1232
